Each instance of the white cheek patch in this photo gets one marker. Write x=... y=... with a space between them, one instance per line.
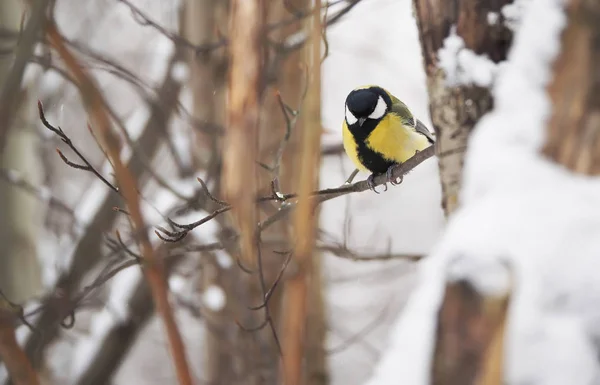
x=350 y=118
x=380 y=109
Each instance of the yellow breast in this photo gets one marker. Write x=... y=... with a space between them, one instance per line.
x=395 y=141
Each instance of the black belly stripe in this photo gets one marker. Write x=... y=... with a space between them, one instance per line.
x=372 y=160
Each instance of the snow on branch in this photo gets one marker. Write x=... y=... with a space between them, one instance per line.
x=462 y=66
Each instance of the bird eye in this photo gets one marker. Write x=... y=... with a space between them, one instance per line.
x=380 y=109
x=350 y=118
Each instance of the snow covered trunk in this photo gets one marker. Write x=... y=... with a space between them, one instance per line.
x=509 y=294
x=573 y=140
x=459 y=77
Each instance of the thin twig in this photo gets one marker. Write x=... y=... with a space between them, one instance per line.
x=87 y=166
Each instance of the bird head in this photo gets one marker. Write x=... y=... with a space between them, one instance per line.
x=369 y=103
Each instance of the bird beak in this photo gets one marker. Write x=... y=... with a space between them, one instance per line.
x=361 y=121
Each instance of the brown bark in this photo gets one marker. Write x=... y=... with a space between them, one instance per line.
x=573 y=132
x=292 y=86
x=456 y=110
x=470 y=337
x=208 y=70
x=297 y=287
x=239 y=175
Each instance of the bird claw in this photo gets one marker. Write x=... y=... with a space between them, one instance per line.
x=371 y=184
x=390 y=178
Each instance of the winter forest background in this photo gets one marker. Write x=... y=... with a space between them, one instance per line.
x=171 y=209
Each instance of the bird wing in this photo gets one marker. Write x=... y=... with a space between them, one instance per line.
x=422 y=129
x=400 y=109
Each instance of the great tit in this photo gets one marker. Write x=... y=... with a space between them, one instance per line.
x=379 y=132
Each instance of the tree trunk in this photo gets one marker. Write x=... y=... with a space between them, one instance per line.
x=471 y=325
x=297 y=292
x=287 y=77
x=456 y=108
x=240 y=150
x=468 y=344
x=201 y=21
x=574 y=131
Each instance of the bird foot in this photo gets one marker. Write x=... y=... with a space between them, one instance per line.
x=390 y=177
x=371 y=184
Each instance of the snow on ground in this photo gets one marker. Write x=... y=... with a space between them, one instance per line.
x=524 y=210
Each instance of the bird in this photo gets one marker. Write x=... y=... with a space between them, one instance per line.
x=379 y=132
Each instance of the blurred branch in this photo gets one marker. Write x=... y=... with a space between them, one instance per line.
x=344 y=252
x=94 y=103
x=86 y=249
x=335 y=149
x=361 y=335
x=17 y=364
x=118 y=341
x=10 y=91
x=142 y=19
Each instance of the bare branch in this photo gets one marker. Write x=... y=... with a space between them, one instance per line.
x=87 y=166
